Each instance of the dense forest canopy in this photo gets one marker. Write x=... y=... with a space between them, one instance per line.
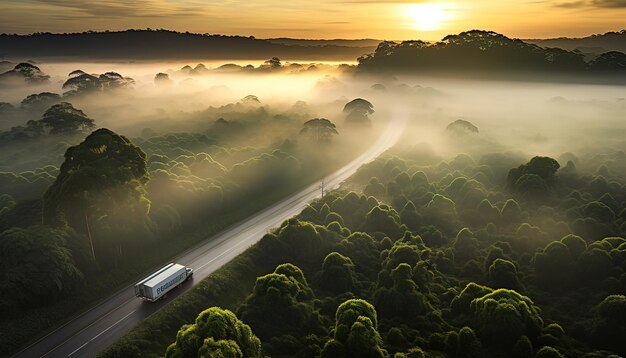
x=495 y=227
x=485 y=52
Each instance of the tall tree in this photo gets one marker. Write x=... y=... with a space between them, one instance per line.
x=319 y=129
x=358 y=112
x=63 y=118
x=101 y=184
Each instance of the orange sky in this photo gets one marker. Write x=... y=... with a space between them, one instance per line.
x=397 y=20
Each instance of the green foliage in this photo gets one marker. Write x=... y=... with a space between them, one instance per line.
x=465 y=245
x=319 y=130
x=461 y=303
x=383 y=219
x=63 y=118
x=355 y=332
x=101 y=184
x=534 y=178
x=280 y=297
x=337 y=274
x=523 y=348
x=30 y=277
x=215 y=333
x=501 y=317
x=358 y=111
x=548 y=352
x=503 y=274
x=608 y=324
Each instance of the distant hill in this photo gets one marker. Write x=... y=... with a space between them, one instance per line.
x=369 y=44
x=610 y=41
x=487 y=53
x=164 y=44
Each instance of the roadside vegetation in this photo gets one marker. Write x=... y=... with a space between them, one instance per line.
x=85 y=210
x=422 y=254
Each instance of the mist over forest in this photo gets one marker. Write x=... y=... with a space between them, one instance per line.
x=494 y=227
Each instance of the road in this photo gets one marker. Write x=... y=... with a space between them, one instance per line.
x=94 y=330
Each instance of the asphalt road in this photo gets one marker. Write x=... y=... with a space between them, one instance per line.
x=94 y=330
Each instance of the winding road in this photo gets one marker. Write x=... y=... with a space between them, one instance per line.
x=92 y=331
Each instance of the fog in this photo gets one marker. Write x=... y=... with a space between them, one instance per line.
x=526 y=117
x=208 y=145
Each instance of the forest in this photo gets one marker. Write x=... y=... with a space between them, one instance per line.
x=490 y=54
x=495 y=227
x=85 y=209
x=460 y=246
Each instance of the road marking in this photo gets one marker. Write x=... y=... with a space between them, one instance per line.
x=101 y=333
x=223 y=253
x=85 y=328
x=333 y=180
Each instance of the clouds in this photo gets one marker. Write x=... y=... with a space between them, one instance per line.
x=122 y=9
x=610 y=3
x=600 y=4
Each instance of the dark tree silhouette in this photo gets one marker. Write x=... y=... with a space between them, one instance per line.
x=26 y=72
x=358 y=112
x=40 y=101
x=273 y=63
x=101 y=184
x=162 y=79
x=63 y=118
x=319 y=129
x=609 y=61
x=461 y=127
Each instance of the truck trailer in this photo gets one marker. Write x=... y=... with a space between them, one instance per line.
x=158 y=284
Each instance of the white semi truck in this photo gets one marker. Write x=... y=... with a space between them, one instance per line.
x=158 y=284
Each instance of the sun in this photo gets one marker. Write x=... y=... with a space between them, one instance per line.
x=428 y=16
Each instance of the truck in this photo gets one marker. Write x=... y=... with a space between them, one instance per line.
x=157 y=285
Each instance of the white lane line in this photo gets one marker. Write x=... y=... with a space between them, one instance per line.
x=224 y=253
x=101 y=317
x=101 y=333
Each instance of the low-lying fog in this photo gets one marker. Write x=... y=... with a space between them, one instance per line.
x=532 y=118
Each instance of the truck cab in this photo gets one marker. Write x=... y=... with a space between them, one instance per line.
x=189 y=272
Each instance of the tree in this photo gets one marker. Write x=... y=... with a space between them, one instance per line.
x=39 y=101
x=461 y=127
x=548 y=352
x=63 y=118
x=26 y=72
x=162 y=79
x=383 y=219
x=36 y=265
x=81 y=82
x=356 y=332
x=319 y=129
x=216 y=333
x=542 y=167
x=511 y=212
x=279 y=304
x=358 y=111
x=403 y=300
x=273 y=63
x=101 y=183
x=503 y=274
x=609 y=61
x=502 y=316
x=337 y=274
x=608 y=325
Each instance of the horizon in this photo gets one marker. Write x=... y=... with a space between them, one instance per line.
x=617 y=31
x=351 y=19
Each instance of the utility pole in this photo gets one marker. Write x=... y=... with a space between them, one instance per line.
x=322 y=187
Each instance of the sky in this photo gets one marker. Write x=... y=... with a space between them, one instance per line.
x=351 y=19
